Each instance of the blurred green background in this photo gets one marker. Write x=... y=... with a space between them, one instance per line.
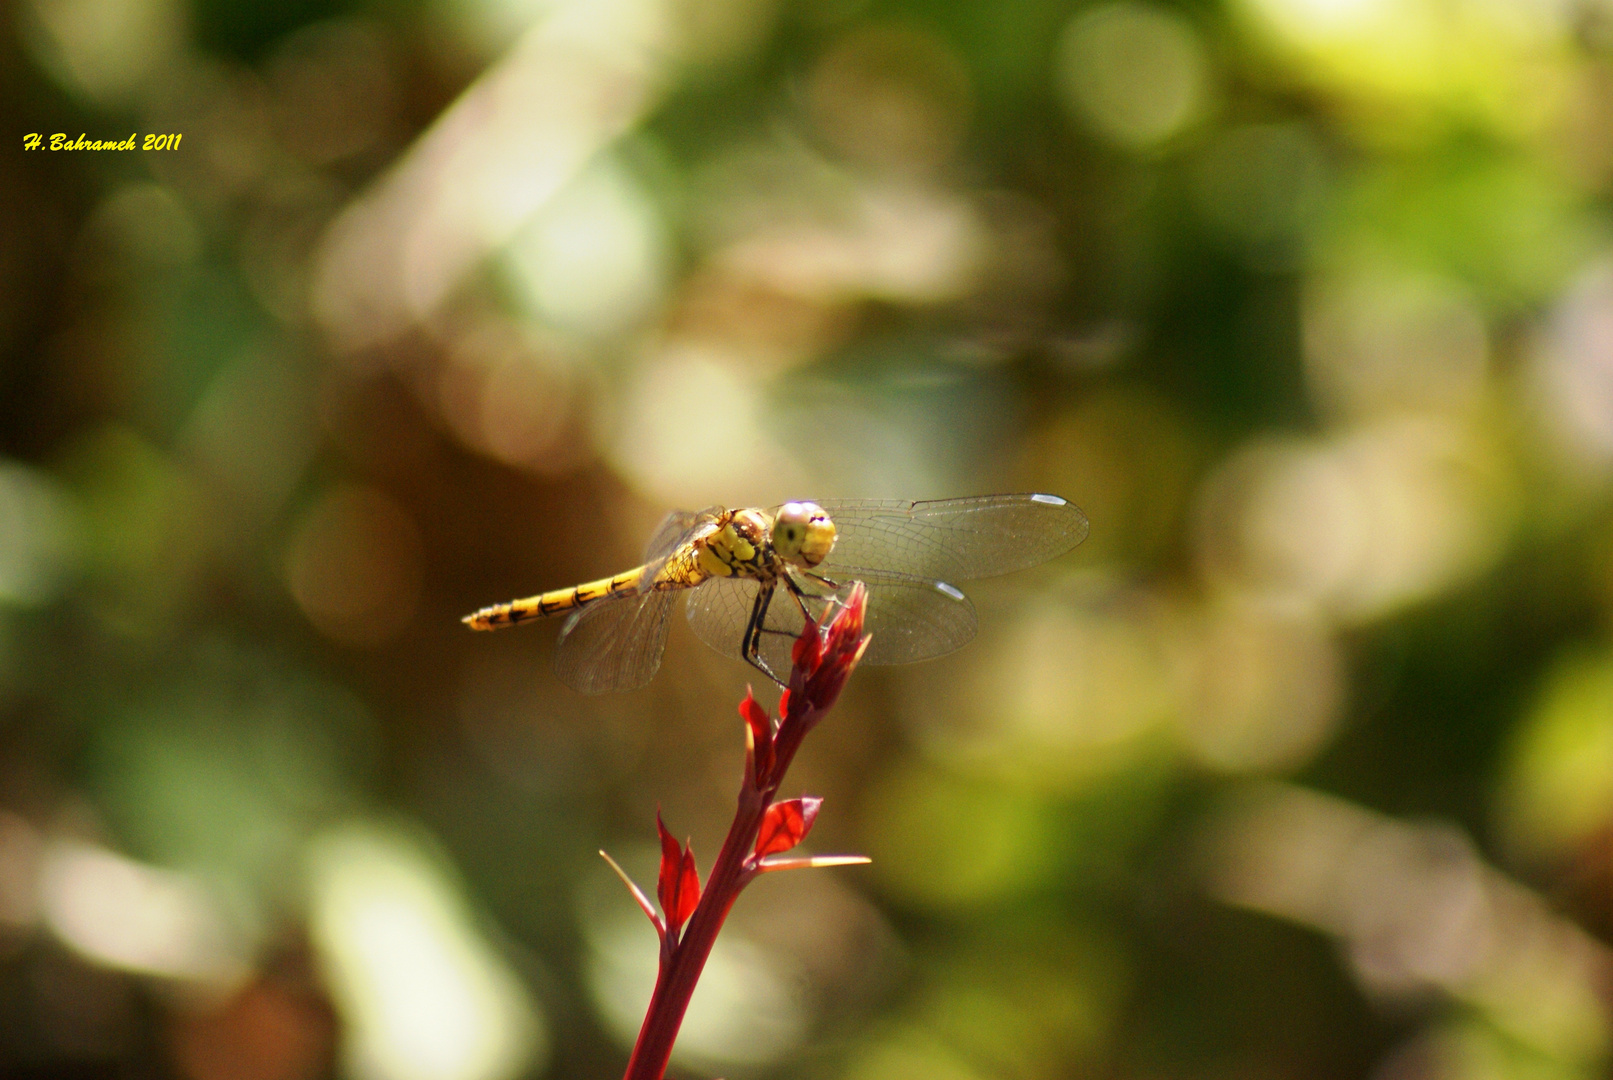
x=1302 y=766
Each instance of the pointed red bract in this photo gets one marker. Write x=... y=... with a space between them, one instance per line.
x=804 y=653
x=846 y=629
x=761 y=735
x=688 y=890
x=756 y=716
x=678 y=886
x=785 y=824
x=671 y=860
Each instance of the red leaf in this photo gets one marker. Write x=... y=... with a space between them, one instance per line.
x=785 y=824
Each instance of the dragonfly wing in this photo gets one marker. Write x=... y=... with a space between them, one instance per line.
x=719 y=610
x=909 y=618
x=950 y=539
x=614 y=644
x=674 y=529
x=912 y=619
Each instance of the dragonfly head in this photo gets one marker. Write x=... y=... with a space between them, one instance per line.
x=803 y=533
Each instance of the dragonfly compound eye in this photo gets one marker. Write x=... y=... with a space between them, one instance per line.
x=803 y=533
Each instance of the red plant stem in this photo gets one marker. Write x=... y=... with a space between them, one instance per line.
x=822 y=659
x=675 y=984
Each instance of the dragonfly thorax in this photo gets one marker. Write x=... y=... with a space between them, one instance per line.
x=755 y=544
x=740 y=546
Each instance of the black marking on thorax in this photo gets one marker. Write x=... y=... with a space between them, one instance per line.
x=763 y=562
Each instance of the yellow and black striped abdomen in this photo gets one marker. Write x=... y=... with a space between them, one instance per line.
x=553 y=603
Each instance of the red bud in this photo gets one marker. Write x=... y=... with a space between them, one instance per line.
x=843 y=643
x=678 y=886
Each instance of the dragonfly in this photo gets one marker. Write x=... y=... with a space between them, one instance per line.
x=754 y=577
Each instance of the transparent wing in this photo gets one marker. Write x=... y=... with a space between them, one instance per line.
x=614 y=644
x=910 y=619
x=674 y=529
x=719 y=610
x=949 y=539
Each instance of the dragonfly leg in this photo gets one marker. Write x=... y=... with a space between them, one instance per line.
x=800 y=600
x=801 y=596
x=751 y=646
x=830 y=602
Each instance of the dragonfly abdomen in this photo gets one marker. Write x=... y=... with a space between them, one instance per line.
x=552 y=603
